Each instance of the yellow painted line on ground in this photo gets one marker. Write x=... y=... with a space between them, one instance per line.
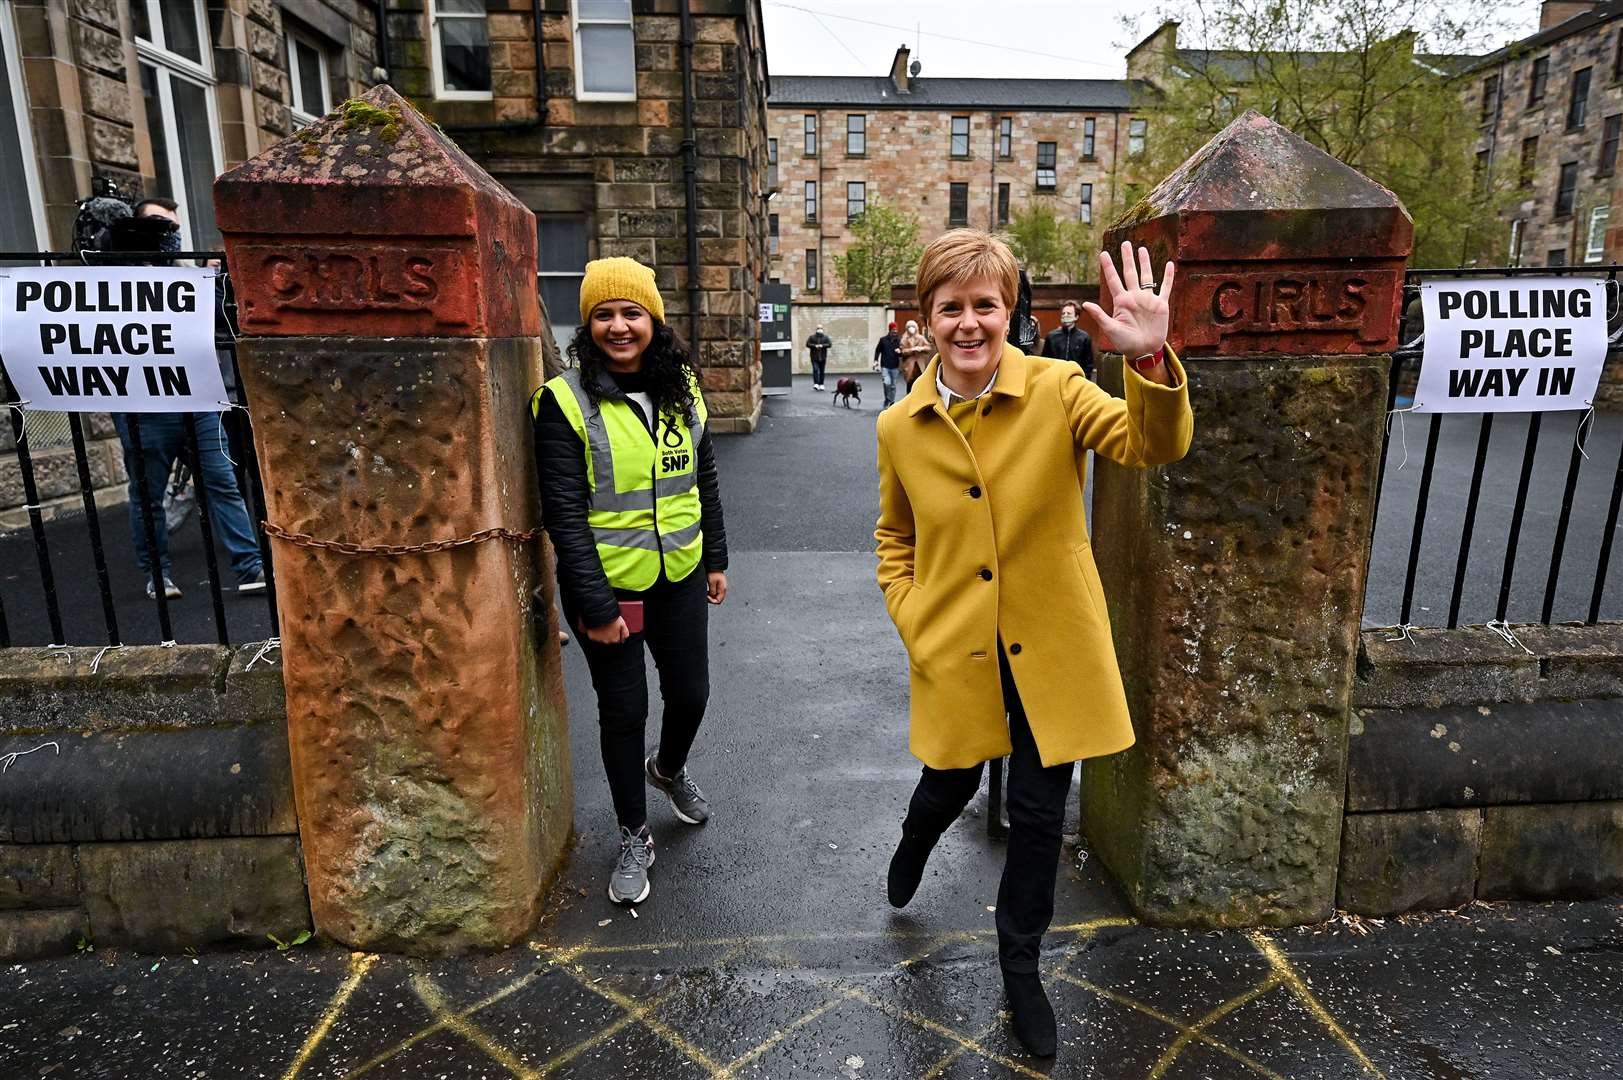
x=564 y=1057
x=957 y=1052
x=1171 y=1021
x=1190 y=1034
x=945 y=1032
x=658 y=1027
x=359 y=965
x=777 y=1036
x=473 y=1033
x=1299 y=987
x=439 y=1024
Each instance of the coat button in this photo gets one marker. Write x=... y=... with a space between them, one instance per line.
x=986 y=575
x=975 y=492
x=1014 y=650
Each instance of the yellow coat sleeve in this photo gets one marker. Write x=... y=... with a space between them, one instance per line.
x=1152 y=426
x=894 y=534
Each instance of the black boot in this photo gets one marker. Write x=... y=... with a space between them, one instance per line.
x=1033 y=1015
x=907 y=867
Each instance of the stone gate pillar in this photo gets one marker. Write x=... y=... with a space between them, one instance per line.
x=390 y=341
x=1236 y=576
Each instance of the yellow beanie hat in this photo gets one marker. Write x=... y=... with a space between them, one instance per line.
x=619 y=278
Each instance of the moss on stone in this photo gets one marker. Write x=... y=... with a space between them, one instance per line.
x=363 y=114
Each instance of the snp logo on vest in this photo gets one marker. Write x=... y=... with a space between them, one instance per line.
x=674 y=457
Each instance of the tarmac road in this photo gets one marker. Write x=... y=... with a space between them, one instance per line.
x=767 y=950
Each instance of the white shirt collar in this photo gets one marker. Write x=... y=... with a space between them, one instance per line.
x=948 y=397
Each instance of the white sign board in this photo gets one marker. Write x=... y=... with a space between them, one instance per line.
x=111 y=338
x=1511 y=344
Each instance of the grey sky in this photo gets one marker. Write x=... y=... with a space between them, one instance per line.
x=1059 y=39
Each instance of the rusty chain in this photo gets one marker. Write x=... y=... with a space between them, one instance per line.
x=345 y=547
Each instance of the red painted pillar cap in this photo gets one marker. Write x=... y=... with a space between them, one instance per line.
x=1280 y=247
x=371 y=222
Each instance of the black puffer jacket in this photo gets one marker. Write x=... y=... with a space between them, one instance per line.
x=560 y=459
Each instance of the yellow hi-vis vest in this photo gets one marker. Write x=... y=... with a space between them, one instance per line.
x=644 y=503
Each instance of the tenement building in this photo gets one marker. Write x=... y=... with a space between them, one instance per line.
x=1551 y=111
x=949 y=151
x=630 y=127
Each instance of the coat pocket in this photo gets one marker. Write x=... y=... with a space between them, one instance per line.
x=905 y=614
x=1091 y=584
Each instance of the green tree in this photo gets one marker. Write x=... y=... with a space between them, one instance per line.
x=1368 y=81
x=1049 y=246
x=885 y=253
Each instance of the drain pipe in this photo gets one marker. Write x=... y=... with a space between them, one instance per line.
x=690 y=169
x=380 y=69
x=515 y=126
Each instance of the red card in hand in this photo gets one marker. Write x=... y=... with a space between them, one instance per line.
x=631 y=612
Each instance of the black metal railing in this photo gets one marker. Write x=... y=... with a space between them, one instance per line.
x=1593 y=477
x=56 y=604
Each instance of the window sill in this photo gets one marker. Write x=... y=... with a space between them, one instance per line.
x=590 y=96
x=964 y=224
x=959 y=157
x=849 y=155
x=464 y=95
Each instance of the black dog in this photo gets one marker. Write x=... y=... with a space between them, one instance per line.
x=845 y=390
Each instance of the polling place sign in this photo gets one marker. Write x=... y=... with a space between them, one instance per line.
x=1533 y=344
x=111 y=338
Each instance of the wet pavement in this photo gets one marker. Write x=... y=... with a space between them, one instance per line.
x=767 y=948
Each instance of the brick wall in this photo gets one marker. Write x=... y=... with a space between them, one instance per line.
x=909 y=164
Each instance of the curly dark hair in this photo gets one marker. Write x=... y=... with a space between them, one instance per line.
x=666 y=365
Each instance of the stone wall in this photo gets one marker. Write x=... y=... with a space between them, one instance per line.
x=909 y=165
x=1479 y=770
x=854 y=328
x=56 y=472
x=621 y=163
x=149 y=804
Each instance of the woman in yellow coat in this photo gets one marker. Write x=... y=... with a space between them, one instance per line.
x=987 y=573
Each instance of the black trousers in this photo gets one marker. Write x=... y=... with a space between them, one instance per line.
x=818 y=367
x=675 y=622
x=1036 y=802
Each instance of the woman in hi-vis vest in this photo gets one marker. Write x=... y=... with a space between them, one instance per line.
x=630 y=499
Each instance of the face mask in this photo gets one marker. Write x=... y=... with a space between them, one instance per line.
x=170 y=241
x=1067 y=321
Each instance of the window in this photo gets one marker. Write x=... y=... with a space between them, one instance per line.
x=1479 y=172
x=772 y=234
x=856 y=135
x=960 y=136
x=771 y=165
x=1608 y=144
x=1047 y=158
x=958 y=204
x=177 y=92
x=1136 y=130
x=772 y=151
x=1566 y=190
x=810 y=149
x=1003 y=204
x=1490 y=93
x=1538 y=80
x=1595 y=249
x=811 y=200
x=1556 y=257
x=1578 y=106
x=307 y=74
x=1089 y=127
x=1617 y=58
x=1086 y=215
x=1524 y=173
x=22 y=221
x=461 y=42
x=1515 y=257
x=1005 y=137
x=560 y=265
x=813 y=281
x=856 y=200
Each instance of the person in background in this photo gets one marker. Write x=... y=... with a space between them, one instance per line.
x=631 y=500
x=818 y=345
x=155 y=227
x=1070 y=341
x=916 y=350
x=887 y=360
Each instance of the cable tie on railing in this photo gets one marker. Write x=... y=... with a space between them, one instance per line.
x=22 y=416
x=7 y=760
x=168 y=644
x=264 y=648
x=95 y=665
x=1403 y=436
x=1405 y=633
x=64 y=651
x=1502 y=628
x=1578 y=435
x=219 y=429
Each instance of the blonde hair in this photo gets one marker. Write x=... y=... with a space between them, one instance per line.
x=964 y=255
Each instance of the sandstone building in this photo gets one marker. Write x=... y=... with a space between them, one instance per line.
x=950 y=151
x=1550 y=108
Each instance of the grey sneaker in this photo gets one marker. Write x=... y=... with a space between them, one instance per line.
x=171 y=591
x=251 y=583
x=629 y=883
x=687 y=800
